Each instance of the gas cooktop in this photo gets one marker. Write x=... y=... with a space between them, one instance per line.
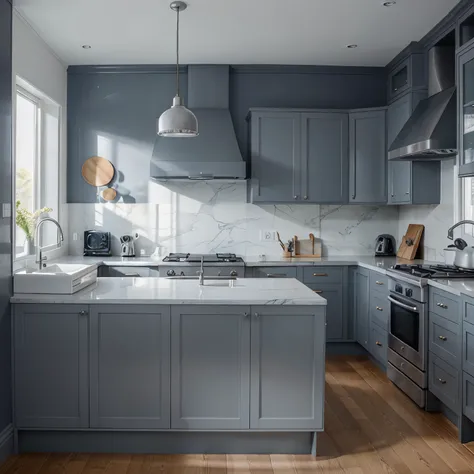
x=433 y=271
x=207 y=258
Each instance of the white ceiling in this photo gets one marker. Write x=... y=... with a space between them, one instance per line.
x=232 y=31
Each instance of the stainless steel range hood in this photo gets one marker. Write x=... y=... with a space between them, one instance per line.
x=430 y=132
x=214 y=153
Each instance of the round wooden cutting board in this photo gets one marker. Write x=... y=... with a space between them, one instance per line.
x=98 y=171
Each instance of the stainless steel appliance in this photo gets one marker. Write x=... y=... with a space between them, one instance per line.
x=188 y=265
x=97 y=244
x=408 y=331
x=127 y=248
x=384 y=246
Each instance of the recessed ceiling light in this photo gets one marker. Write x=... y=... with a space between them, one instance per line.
x=352 y=46
x=389 y=4
x=86 y=46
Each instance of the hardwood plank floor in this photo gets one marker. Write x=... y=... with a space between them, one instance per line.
x=370 y=427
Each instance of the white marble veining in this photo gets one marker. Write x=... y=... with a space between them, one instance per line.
x=250 y=291
x=207 y=217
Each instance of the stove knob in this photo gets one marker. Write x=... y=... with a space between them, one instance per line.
x=233 y=273
x=408 y=292
x=171 y=273
x=399 y=288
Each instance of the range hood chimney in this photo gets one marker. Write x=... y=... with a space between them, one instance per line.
x=430 y=133
x=214 y=153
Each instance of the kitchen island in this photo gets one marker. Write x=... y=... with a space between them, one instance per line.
x=160 y=365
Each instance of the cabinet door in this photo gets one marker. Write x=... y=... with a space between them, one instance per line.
x=466 y=111
x=333 y=294
x=368 y=157
x=400 y=182
x=129 y=366
x=325 y=157
x=287 y=369
x=362 y=308
x=276 y=156
x=210 y=361
x=51 y=366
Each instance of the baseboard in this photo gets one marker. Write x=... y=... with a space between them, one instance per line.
x=6 y=443
x=165 y=442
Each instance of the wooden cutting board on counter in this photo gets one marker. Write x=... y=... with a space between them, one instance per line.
x=411 y=242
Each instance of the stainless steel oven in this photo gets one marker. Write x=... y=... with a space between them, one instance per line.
x=408 y=337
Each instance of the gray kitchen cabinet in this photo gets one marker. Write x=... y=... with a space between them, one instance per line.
x=210 y=363
x=367 y=157
x=465 y=65
x=287 y=368
x=325 y=161
x=333 y=294
x=275 y=272
x=468 y=396
x=410 y=182
x=407 y=74
x=378 y=343
x=444 y=381
x=275 y=156
x=362 y=308
x=130 y=366
x=51 y=386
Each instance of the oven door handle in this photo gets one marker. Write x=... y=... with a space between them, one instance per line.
x=413 y=309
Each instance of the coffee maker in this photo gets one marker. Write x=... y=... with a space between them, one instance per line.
x=127 y=248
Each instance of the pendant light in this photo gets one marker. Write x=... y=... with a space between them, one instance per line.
x=177 y=121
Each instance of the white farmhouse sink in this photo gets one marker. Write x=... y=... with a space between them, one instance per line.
x=58 y=278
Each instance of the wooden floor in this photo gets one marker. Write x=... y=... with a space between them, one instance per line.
x=371 y=427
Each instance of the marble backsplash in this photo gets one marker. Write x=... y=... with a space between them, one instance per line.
x=214 y=217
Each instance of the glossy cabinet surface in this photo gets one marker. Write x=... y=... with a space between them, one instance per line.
x=51 y=366
x=130 y=366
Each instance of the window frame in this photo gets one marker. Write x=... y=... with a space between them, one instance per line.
x=44 y=104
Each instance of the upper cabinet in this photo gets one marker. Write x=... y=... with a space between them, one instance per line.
x=367 y=157
x=408 y=74
x=466 y=111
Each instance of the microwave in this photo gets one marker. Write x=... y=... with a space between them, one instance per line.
x=97 y=244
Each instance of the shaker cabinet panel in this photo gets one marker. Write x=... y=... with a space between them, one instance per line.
x=367 y=157
x=51 y=366
x=130 y=359
x=210 y=362
x=276 y=156
x=362 y=307
x=325 y=157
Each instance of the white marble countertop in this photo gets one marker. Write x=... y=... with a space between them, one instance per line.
x=245 y=291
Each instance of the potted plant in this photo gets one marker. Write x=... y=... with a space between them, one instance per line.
x=26 y=221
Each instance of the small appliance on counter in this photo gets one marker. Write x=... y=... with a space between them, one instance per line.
x=385 y=246
x=97 y=244
x=127 y=248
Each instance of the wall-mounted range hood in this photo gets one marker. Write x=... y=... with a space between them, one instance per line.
x=214 y=153
x=430 y=132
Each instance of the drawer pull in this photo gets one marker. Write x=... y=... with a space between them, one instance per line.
x=379 y=282
x=276 y=275
x=320 y=274
x=443 y=338
x=441 y=381
x=318 y=291
x=378 y=343
x=378 y=308
x=442 y=305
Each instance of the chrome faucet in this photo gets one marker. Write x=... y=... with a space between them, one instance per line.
x=39 y=251
x=451 y=230
x=201 y=273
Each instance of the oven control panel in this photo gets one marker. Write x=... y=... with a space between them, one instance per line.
x=408 y=290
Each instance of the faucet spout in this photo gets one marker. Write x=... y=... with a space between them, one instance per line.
x=451 y=229
x=39 y=250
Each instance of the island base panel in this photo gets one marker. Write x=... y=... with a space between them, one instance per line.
x=166 y=442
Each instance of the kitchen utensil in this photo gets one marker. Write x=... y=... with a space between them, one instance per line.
x=307 y=248
x=109 y=194
x=98 y=171
x=282 y=245
x=449 y=255
x=411 y=242
x=464 y=258
x=384 y=246
x=460 y=244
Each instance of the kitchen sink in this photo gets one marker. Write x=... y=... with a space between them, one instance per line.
x=57 y=278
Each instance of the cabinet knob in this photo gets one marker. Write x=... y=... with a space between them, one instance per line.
x=246 y=315
x=443 y=338
x=442 y=381
x=378 y=343
x=378 y=308
x=379 y=282
x=257 y=315
x=295 y=197
x=393 y=195
x=83 y=313
x=353 y=196
x=306 y=198
x=407 y=193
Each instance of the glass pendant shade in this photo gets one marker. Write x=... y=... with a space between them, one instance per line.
x=177 y=121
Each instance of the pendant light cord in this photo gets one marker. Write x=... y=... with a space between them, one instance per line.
x=177 y=51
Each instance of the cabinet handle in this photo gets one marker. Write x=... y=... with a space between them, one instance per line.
x=83 y=313
x=441 y=381
x=379 y=282
x=443 y=338
x=378 y=343
x=246 y=315
x=320 y=274
x=318 y=291
x=378 y=308
x=442 y=305
x=296 y=197
x=257 y=315
x=306 y=198
x=407 y=193
x=276 y=275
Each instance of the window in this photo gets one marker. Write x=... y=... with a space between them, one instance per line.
x=36 y=164
x=468 y=204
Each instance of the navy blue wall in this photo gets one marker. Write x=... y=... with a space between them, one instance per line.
x=121 y=105
x=5 y=227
